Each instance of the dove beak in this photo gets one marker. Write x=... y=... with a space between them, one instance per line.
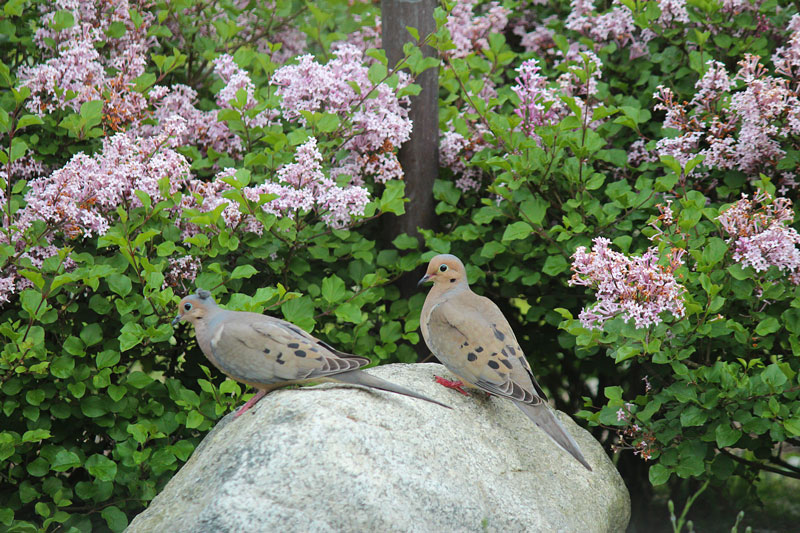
x=176 y=320
x=425 y=278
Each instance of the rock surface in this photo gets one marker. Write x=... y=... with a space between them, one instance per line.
x=336 y=458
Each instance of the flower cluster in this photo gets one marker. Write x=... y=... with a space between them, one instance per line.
x=181 y=270
x=636 y=288
x=77 y=73
x=539 y=104
x=633 y=436
x=470 y=32
x=301 y=187
x=617 y=24
x=78 y=199
x=374 y=112
x=202 y=130
x=761 y=239
x=237 y=79
x=734 y=130
x=455 y=151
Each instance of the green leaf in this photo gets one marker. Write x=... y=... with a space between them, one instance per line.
x=625 y=352
x=658 y=474
x=101 y=467
x=299 y=311
x=405 y=242
x=714 y=251
x=35 y=396
x=94 y=406
x=693 y=416
x=194 y=419
x=727 y=435
x=116 y=519
x=243 y=271
x=65 y=460
x=139 y=380
x=767 y=326
x=773 y=376
x=333 y=289
x=39 y=467
x=91 y=334
x=107 y=358
x=517 y=230
x=349 y=312
x=613 y=393
x=555 y=265
x=120 y=284
x=377 y=72
x=534 y=209
x=792 y=426
x=36 y=435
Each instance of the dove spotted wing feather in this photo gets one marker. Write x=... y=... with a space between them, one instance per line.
x=479 y=346
x=258 y=349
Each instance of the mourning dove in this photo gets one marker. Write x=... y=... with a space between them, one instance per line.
x=267 y=353
x=470 y=336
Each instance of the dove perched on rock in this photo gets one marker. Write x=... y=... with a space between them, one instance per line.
x=268 y=353
x=470 y=336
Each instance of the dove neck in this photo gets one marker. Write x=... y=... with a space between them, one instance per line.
x=448 y=290
x=207 y=326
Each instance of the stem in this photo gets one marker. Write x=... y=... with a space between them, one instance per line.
x=682 y=520
x=758 y=465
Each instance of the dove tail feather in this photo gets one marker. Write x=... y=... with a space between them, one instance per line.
x=359 y=377
x=543 y=417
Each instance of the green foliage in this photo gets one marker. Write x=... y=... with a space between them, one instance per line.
x=103 y=401
x=711 y=395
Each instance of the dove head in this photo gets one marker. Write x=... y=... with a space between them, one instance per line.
x=195 y=307
x=445 y=271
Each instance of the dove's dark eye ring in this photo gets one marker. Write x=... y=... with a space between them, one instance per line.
x=443 y=268
x=187 y=306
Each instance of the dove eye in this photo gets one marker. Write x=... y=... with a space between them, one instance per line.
x=187 y=307
x=443 y=268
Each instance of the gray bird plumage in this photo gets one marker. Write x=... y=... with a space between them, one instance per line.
x=266 y=352
x=470 y=336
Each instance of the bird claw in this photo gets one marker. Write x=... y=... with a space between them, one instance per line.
x=250 y=403
x=457 y=385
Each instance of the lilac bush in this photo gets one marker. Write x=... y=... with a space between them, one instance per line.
x=619 y=177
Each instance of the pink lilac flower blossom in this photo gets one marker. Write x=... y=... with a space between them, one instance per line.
x=181 y=271
x=759 y=235
x=77 y=198
x=7 y=289
x=470 y=32
x=301 y=186
x=203 y=130
x=634 y=288
x=539 y=105
x=787 y=58
x=672 y=11
x=739 y=131
x=638 y=153
x=455 y=151
x=237 y=79
x=380 y=122
x=77 y=73
x=538 y=40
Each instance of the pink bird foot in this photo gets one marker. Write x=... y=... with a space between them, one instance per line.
x=250 y=403
x=457 y=385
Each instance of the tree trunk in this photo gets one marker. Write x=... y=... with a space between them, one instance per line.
x=419 y=156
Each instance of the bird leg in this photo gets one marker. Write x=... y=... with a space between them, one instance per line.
x=250 y=403
x=457 y=385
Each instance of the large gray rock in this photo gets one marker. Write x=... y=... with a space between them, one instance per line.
x=343 y=459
